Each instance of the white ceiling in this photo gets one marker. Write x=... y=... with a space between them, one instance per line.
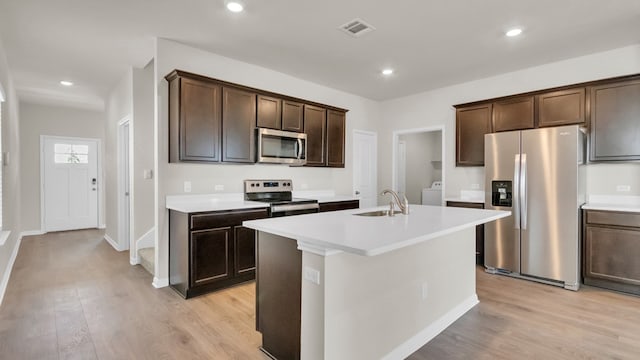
x=430 y=43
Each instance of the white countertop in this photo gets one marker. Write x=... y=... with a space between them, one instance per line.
x=626 y=203
x=369 y=236
x=323 y=196
x=211 y=202
x=235 y=201
x=470 y=196
x=467 y=200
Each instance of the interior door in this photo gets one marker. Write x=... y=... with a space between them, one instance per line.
x=365 y=184
x=502 y=237
x=70 y=183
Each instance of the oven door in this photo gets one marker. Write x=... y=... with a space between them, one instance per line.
x=294 y=209
x=281 y=147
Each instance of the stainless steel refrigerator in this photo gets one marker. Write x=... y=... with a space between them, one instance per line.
x=538 y=175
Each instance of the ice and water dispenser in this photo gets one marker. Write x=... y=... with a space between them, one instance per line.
x=502 y=193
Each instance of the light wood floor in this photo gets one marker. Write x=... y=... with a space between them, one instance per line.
x=71 y=296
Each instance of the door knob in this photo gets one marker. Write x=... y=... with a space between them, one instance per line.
x=357 y=192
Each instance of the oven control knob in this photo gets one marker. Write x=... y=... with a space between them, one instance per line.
x=253 y=185
x=258 y=184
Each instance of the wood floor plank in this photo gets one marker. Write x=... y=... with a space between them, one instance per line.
x=72 y=296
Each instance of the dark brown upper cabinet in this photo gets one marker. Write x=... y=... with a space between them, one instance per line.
x=194 y=120
x=315 y=126
x=615 y=121
x=513 y=114
x=214 y=121
x=335 y=138
x=292 y=116
x=472 y=123
x=565 y=107
x=269 y=112
x=238 y=125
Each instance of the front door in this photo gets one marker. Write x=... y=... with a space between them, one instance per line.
x=70 y=183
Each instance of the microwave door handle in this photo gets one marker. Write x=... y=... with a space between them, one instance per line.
x=299 y=149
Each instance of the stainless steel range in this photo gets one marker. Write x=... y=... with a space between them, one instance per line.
x=278 y=193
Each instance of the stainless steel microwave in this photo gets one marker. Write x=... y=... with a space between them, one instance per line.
x=281 y=147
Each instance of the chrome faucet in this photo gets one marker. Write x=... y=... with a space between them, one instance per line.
x=403 y=205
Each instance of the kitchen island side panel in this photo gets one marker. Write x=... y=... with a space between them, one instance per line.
x=386 y=306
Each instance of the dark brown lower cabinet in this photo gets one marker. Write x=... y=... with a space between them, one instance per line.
x=211 y=250
x=279 y=296
x=479 y=228
x=339 y=205
x=611 y=246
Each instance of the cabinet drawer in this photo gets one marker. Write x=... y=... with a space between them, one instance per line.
x=225 y=218
x=613 y=218
x=463 y=204
x=339 y=205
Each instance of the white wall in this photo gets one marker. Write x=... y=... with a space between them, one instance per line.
x=436 y=108
x=36 y=120
x=11 y=186
x=119 y=106
x=363 y=114
x=142 y=125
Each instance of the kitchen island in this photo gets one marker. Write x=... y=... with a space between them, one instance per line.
x=342 y=286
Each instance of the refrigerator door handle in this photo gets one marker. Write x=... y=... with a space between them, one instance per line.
x=523 y=190
x=516 y=188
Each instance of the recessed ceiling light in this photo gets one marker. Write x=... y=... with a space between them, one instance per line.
x=235 y=6
x=387 y=72
x=514 y=32
x=66 y=83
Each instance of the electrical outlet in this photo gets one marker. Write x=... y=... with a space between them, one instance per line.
x=475 y=186
x=218 y=188
x=187 y=186
x=623 y=188
x=147 y=174
x=425 y=290
x=312 y=275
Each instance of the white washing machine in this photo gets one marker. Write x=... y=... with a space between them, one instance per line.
x=433 y=194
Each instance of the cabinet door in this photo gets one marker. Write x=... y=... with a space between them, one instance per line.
x=292 y=115
x=195 y=119
x=315 y=126
x=210 y=256
x=238 y=125
x=245 y=250
x=615 y=121
x=513 y=114
x=472 y=123
x=564 y=107
x=269 y=112
x=335 y=138
x=612 y=254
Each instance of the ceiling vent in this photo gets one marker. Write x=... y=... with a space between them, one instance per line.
x=356 y=27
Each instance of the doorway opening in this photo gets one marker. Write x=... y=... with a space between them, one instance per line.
x=70 y=186
x=417 y=158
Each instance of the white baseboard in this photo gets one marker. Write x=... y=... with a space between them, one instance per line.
x=8 y=269
x=160 y=283
x=425 y=335
x=112 y=242
x=102 y=226
x=134 y=260
x=32 y=233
